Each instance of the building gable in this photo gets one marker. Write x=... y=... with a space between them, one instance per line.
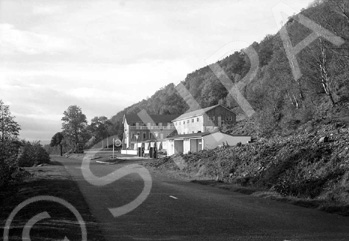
x=201 y=112
x=132 y=119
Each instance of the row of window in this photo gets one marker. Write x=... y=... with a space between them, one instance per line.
x=146 y=135
x=212 y=118
x=188 y=121
x=187 y=132
x=227 y=118
x=151 y=124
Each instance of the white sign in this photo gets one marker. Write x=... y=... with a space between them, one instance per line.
x=117 y=142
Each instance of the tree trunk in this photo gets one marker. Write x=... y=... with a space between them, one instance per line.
x=76 y=140
x=325 y=79
x=61 y=149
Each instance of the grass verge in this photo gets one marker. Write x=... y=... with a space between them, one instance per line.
x=48 y=180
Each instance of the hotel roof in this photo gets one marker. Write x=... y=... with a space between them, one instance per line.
x=134 y=118
x=195 y=113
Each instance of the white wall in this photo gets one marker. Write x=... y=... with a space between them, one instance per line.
x=170 y=147
x=186 y=146
x=126 y=134
x=191 y=127
x=129 y=152
x=218 y=138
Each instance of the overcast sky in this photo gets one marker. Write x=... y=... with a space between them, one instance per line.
x=106 y=55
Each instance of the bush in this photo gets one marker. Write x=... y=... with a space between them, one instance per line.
x=307 y=188
x=32 y=154
x=8 y=161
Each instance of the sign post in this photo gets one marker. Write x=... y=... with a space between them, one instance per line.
x=113 y=147
x=116 y=142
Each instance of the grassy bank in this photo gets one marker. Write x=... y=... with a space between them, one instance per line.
x=52 y=180
x=300 y=168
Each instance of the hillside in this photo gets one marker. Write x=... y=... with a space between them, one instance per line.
x=301 y=119
x=306 y=169
x=282 y=102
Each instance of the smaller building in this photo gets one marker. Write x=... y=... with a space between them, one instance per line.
x=204 y=120
x=200 y=141
x=198 y=130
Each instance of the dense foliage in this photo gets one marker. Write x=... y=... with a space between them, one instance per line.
x=8 y=161
x=14 y=153
x=77 y=132
x=9 y=145
x=74 y=125
x=57 y=140
x=9 y=128
x=32 y=153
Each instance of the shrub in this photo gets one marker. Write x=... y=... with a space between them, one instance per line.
x=8 y=161
x=32 y=154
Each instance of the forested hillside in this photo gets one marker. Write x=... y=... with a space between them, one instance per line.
x=282 y=102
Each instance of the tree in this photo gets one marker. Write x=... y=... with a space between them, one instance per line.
x=32 y=153
x=213 y=91
x=9 y=128
x=100 y=128
x=9 y=145
x=57 y=141
x=74 y=124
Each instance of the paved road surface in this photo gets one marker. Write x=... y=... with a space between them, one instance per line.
x=199 y=212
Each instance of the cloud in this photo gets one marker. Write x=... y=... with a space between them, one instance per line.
x=18 y=41
x=106 y=55
x=39 y=93
x=47 y=9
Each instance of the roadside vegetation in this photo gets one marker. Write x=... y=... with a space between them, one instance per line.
x=309 y=169
x=14 y=153
x=26 y=172
x=77 y=134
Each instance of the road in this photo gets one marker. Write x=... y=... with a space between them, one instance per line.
x=177 y=210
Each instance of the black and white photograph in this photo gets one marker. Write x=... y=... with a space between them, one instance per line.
x=197 y=120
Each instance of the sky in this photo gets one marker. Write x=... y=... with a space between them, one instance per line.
x=105 y=55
